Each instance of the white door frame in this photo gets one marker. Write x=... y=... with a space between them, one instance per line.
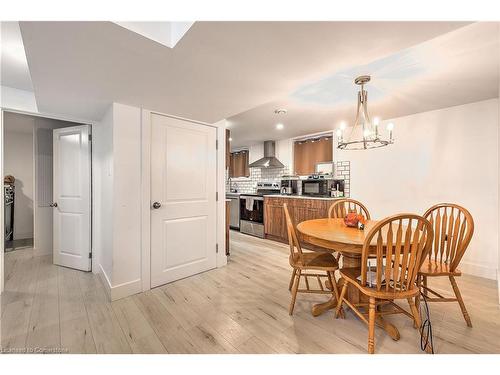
x=146 y=193
x=53 y=117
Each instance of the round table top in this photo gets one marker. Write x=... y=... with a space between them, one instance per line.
x=334 y=234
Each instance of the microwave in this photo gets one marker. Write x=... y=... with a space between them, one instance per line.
x=315 y=186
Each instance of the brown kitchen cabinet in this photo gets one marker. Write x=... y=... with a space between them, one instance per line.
x=274 y=218
x=301 y=209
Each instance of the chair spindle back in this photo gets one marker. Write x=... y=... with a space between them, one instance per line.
x=402 y=243
x=341 y=208
x=453 y=229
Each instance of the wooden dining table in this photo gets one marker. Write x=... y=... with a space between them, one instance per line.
x=333 y=235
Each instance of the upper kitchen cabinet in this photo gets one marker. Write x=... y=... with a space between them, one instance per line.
x=238 y=164
x=309 y=152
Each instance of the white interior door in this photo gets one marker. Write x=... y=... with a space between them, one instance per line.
x=71 y=204
x=183 y=201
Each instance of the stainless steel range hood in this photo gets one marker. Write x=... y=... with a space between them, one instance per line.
x=269 y=160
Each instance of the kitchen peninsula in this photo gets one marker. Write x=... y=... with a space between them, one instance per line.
x=301 y=208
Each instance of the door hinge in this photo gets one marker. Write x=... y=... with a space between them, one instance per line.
x=216 y=196
x=90 y=137
x=216 y=248
x=90 y=255
x=216 y=144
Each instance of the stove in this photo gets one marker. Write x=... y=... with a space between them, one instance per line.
x=252 y=208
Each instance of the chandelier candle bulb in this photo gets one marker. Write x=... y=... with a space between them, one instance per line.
x=339 y=135
x=365 y=133
x=390 y=128
x=376 y=121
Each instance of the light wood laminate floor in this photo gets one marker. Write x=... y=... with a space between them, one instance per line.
x=241 y=308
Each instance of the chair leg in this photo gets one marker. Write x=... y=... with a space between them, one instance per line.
x=417 y=321
x=292 y=278
x=371 y=326
x=424 y=280
x=294 y=291
x=460 y=301
x=333 y=282
x=339 y=302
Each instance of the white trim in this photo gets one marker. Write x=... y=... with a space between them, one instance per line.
x=221 y=188
x=126 y=289
x=121 y=290
x=105 y=281
x=498 y=285
x=145 y=281
x=146 y=199
x=50 y=116
x=479 y=270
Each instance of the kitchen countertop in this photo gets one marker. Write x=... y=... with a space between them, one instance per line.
x=299 y=196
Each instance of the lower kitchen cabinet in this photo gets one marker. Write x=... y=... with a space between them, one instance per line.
x=300 y=209
x=274 y=218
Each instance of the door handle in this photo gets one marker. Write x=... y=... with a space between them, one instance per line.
x=53 y=204
x=156 y=205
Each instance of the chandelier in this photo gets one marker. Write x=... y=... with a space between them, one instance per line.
x=364 y=134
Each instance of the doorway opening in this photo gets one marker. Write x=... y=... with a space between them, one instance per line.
x=34 y=158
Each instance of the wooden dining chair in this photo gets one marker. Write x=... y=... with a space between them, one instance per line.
x=308 y=265
x=400 y=244
x=453 y=230
x=342 y=207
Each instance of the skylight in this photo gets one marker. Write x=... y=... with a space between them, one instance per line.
x=166 y=33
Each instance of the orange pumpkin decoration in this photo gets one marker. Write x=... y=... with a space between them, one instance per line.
x=353 y=219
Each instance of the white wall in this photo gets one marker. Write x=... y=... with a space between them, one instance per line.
x=447 y=155
x=19 y=100
x=118 y=206
x=18 y=162
x=102 y=178
x=498 y=269
x=117 y=199
x=255 y=152
x=127 y=196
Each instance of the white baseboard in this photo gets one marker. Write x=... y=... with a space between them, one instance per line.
x=498 y=287
x=479 y=270
x=39 y=252
x=126 y=289
x=121 y=290
x=105 y=281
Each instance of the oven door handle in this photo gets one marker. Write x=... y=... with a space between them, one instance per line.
x=254 y=198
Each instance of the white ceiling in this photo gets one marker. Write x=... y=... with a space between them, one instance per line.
x=217 y=70
x=452 y=69
x=14 y=66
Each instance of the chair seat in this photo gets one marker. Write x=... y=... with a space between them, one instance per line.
x=315 y=260
x=436 y=268
x=352 y=274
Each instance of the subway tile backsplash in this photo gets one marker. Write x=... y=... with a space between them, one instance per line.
x=249 y=185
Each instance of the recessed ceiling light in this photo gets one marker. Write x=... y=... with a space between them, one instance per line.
x=230 y=139
x=279 y=126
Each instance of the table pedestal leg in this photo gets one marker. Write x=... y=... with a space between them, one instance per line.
x=354 y=296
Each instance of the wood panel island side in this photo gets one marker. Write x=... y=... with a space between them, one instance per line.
x=301 y=208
